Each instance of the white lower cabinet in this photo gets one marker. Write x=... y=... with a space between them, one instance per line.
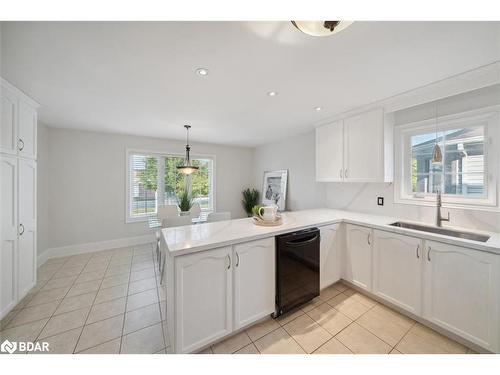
x=462 y=292
x=358 y=256
x=397 y=270
x=329 y=255
x=254 y=281
x=203 y=298
x=221 y=290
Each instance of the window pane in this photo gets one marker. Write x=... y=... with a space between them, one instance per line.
x=426 y=183
x=175 y=182
x=143 y=176
x=201 y=183
x=468 y=184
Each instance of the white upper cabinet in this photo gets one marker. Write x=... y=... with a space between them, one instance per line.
x=254 y=281
x=19 y=123
x=329 y=255
x=8 y=136
x=461 y=292
x=27 y=130
x=330 y=152
x=397 y=269
x=364 y=147
x=358 y=256
x=355 y=149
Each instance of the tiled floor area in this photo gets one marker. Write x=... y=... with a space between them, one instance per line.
x=339 y=321
x=111 y=302
x=103 y=302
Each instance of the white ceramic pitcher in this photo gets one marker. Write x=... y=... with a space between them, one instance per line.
x=268 y=213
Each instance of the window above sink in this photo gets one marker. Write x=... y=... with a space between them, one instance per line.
x=467 y=176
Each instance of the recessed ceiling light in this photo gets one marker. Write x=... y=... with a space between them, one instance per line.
x=318 y=109
x=202 y=72
x=272 y=93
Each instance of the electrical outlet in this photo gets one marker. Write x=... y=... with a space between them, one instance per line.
x=380 y=201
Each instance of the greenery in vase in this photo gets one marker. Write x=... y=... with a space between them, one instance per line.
x=250 y=199
x=185 y=201
x=255 y=209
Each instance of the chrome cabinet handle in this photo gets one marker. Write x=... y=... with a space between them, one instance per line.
x=229 y=261
x=418 y=255
x=21 y=231
x=237 y=259
x=20 y=141
x=429 y=254
x=340 y=172
x=368 y=239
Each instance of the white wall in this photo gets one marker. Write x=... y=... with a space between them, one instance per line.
x=297 y=154
x=85 y=181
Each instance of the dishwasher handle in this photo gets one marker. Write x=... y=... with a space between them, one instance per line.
x=302 y=241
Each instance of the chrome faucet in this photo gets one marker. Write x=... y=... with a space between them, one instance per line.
x=439 y=218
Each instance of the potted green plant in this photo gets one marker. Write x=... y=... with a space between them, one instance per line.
x=185 y=202
x=250 y=199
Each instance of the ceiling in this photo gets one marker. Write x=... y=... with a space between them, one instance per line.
x=139 y=77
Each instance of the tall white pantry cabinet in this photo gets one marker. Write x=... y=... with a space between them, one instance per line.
x=18 y=161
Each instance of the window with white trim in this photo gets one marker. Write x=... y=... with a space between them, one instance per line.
x=468 y=173
x=153 y=180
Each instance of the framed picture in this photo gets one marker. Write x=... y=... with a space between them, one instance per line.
x=274 y=188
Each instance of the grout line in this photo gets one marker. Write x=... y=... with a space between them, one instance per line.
x=91 y=306
x=60 y=301
x=401 y=339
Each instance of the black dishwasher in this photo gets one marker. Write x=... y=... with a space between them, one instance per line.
x=297 y=269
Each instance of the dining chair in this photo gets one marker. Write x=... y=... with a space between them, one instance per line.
x=218 y=216
x=163 y=212
x=170 y=222
x=195 y=211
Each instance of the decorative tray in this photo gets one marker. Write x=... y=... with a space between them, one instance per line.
x=265 y=223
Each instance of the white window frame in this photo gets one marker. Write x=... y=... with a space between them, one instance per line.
x=128 y=191
x=487 y=117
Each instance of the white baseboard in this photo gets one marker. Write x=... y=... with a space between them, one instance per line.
x=63 y=251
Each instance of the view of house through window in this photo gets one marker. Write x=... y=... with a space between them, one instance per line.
x=154 y=180
x=463 y=170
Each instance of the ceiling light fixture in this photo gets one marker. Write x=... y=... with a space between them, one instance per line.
x=321 y=28
x=437 y=155
x=202 y=72
x=318 y=109
x=272 y=93
x=187 y=168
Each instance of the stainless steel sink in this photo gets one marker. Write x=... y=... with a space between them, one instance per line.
x=443 y=231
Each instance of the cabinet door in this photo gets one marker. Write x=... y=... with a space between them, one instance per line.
x=358 y=262
x=329 y=255
x=203 y=298
x=329 y=152
x=397 y=269
x=461 y=292
x=27 y=227
x=27 y=130
x=364 y=147
x=8 y=258
x=254 y=281
x=8 y=128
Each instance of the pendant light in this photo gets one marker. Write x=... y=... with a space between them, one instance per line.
x=187 y=168
x=321 y=28
x=437 y=155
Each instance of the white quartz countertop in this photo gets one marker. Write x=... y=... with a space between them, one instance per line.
x=193 y=238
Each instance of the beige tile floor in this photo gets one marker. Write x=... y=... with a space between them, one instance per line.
x=339 y=321
x=111 y=302
x=102 y=302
